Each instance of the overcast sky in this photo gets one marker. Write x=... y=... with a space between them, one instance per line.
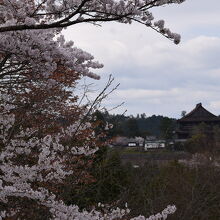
x=155 y=75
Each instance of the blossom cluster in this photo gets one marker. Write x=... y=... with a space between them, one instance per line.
x=160 y=25
x=19 y=176
x=39 y=49
x=171 y=209
x=50 y=155
x=31 y=32
x=52 y=13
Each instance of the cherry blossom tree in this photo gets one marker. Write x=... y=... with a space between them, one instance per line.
x=31 y=167
x=35 y=60
x=46 y=14
x=44 y=47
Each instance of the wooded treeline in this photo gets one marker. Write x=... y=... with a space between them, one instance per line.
x=139 y=125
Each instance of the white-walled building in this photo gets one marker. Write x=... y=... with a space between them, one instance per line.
x=154 y=144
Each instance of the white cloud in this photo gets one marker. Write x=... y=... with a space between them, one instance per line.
x=169 y=78
x=156 y=76
x=215 y=105
x=167 y=102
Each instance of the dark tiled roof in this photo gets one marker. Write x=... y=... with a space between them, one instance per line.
x=199 y=114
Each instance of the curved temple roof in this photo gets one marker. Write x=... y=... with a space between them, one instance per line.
x=199 y=113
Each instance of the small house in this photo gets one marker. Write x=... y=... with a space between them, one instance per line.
x=154 y=144
x=132 y=144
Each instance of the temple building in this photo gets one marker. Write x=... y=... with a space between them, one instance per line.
x=194 y=118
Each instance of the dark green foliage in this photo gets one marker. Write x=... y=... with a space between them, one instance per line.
x=205 y=139
x=167 y=128
x=140 y=125
x=149 y=189
x=195 y=191
x=111 y=179
x=132 y=129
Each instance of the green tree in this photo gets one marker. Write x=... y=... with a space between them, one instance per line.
x=132 y=128
x=167 y=127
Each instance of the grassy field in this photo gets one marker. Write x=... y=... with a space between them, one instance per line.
x=137 y=157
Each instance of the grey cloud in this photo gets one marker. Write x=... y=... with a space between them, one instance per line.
x=156 y=76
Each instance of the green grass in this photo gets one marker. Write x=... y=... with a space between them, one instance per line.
x=158 y=154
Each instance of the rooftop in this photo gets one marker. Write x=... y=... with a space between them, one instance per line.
x=199 y=113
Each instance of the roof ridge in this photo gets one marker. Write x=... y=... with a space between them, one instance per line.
x=204 y=114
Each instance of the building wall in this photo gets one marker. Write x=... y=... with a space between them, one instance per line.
x=154 y=145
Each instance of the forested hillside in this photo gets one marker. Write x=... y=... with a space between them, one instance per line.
x=140 y=125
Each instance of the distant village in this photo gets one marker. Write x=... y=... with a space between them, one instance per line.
x=181 y=133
